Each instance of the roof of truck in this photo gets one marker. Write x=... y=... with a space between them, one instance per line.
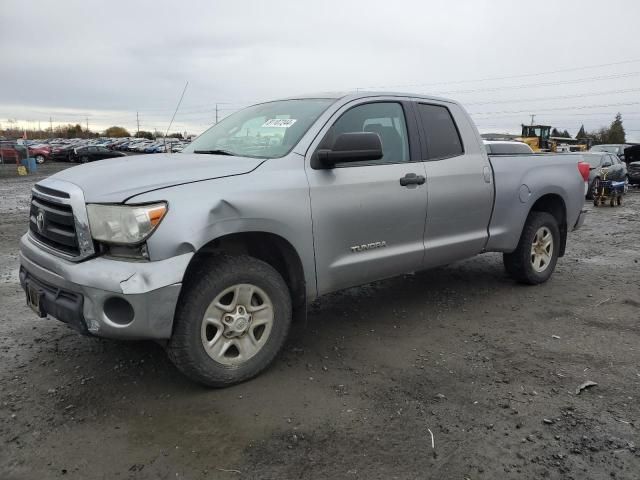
x=355 y=94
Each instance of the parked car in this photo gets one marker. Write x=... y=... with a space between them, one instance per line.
x=9 y=152
x=61 y=152
x=616 y=169
x=214 y=254
x=506 y=147
x=92 y=153
x=634 y=173
x=39 y=152
x=152 y=147
x=632 y=157
x=617 y=148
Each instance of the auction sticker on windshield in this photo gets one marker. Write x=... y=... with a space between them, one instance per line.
x=279 y=122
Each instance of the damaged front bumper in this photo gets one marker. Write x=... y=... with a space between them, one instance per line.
x=105 y=297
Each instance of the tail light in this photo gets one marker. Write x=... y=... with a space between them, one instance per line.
x=584 y=169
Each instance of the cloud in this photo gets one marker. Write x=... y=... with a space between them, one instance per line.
x=109 y=60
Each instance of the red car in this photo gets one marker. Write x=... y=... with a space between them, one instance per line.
x=40 y=152
x=8 y=152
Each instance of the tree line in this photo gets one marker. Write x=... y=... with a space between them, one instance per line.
x=615 y=133
x=76 y=131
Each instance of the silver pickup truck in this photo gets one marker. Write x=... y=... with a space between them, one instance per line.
x=215 y=250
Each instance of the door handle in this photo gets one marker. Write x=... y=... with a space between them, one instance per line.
x=412 y=179
x=486 y=173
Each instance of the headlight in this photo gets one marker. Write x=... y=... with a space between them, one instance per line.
x=124 y=224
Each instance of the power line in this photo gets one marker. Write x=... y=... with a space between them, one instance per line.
x=561 y=97
x=562 y=115
x=542 y=84
x=506 y=77
x=573 y=107
x=177 y=107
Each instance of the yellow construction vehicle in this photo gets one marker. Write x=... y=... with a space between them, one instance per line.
x=539 y=138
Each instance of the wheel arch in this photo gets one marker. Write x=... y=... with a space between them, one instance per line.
x=554 y=204
x=271 y=248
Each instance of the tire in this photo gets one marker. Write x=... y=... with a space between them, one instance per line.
x=591 y=187
x=40 y=159
x=84 y=159
x=519 y=264
x=197 y=323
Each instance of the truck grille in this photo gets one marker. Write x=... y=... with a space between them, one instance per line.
x=53 y=224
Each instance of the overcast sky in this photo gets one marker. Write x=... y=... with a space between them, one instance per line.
x=567 y=62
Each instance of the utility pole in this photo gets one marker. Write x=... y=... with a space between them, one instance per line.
x=138 y=122
x=51 y=126
x=216 y=113
x=38 y=125
x=532 y=118
x=87 y=125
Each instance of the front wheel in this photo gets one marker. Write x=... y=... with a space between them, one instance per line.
x=534 y=259
x=40 y=159
x=231 y=321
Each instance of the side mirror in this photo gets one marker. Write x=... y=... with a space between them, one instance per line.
x=606 y=164
x=350 y=147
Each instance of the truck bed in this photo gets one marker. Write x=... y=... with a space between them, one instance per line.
x=518 y=181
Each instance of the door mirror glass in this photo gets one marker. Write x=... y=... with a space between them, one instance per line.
x=351 y=147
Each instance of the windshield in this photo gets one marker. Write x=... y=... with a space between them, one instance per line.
x=593 y=160
x=268 y=130
x=606 y=148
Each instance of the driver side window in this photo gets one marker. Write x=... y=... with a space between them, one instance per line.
x=386 y=119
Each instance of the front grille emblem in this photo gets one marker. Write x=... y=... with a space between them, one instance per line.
x=40 y=221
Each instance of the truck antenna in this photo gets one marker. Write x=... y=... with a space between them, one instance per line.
x=174 y=116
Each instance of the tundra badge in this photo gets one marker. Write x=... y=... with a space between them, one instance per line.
x=368 y=246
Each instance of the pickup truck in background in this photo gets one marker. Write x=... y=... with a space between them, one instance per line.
x=215 y=250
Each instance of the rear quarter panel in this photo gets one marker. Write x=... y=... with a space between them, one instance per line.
x=521 y=180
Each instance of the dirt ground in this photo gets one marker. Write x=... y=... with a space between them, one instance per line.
x=487 y=366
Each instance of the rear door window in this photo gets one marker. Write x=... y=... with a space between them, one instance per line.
x=440 y=131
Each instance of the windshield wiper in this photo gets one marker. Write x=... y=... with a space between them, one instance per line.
x=215 y=152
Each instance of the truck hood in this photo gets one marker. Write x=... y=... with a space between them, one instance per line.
x=117 y=179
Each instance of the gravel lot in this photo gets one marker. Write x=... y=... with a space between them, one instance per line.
x=489 y=367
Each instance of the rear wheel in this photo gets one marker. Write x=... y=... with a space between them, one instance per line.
x=591 y=193
x=40 y=159
x=534 y=259
x=232 y=320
